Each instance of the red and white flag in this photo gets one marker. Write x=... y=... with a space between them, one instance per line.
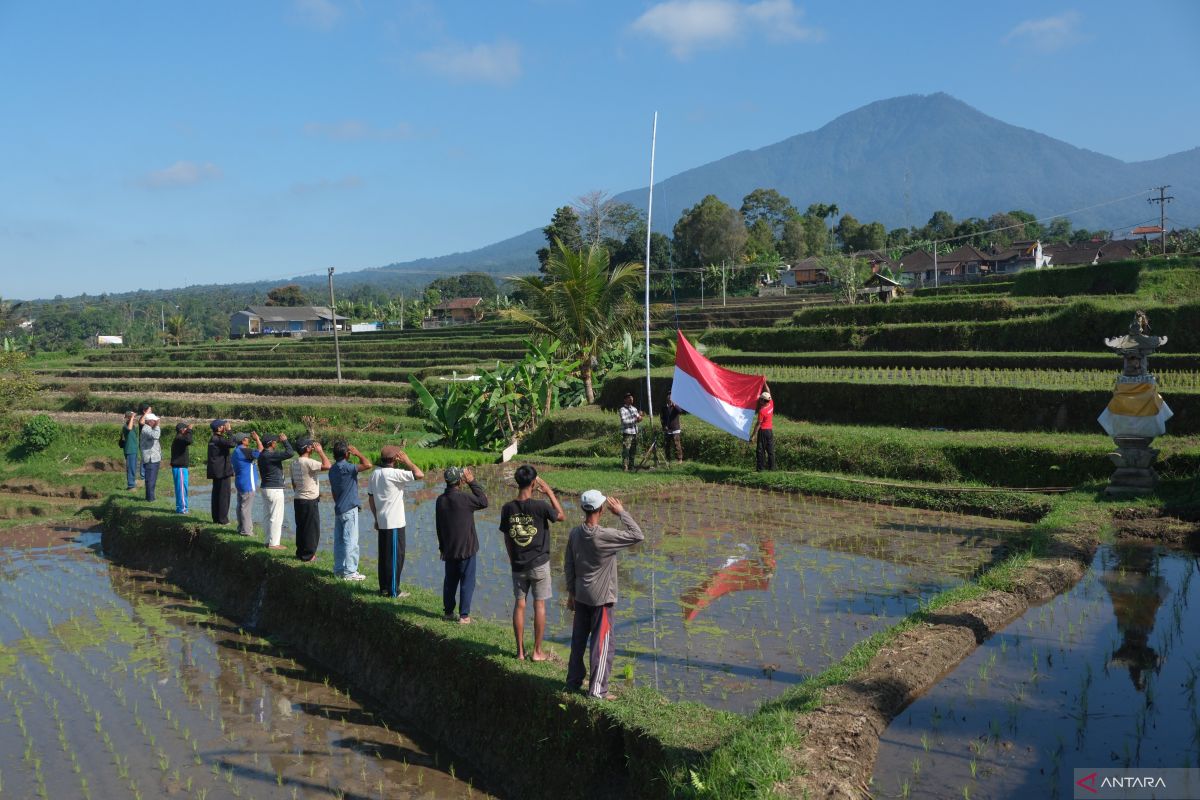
x=719 y=396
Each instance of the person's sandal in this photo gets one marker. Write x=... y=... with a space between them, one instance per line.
x=464 y=620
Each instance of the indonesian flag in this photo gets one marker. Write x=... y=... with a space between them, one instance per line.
x=719 y=396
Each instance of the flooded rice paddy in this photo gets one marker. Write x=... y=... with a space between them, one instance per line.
x=115 y=684
x=1105 y=675
x=736 y=594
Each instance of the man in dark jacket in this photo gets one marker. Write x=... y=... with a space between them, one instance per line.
x=671 y=413
x=270 y=468
x=181 y=459
x=220 y=469
x=457 y=541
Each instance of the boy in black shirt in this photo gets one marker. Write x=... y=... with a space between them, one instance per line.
x=525 y=523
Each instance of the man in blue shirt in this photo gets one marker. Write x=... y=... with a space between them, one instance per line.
x=343 y=482
x=245 y=479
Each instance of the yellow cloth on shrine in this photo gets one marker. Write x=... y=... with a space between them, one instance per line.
x=1135 y=400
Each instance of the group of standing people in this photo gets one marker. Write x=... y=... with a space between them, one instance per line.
x=762 y=433
x=248 y=465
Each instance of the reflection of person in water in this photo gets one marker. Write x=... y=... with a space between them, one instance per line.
x=1136 y=589
x=745 y=571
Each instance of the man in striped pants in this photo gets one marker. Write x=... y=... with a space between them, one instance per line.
x=385 y=493
x=590 y=564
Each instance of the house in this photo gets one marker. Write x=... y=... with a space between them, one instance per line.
x=459 y=311
x=963 y=262
x=101 y=340
x=876 y=259
x=1093 y=252
x=806 y=271
x=258 y=320
x=879 y=287
x=1018 y=256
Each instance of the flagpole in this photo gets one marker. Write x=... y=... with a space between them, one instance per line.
x=649 y=215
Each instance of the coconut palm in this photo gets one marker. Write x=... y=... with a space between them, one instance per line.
x=177 y=327
x=580 y=301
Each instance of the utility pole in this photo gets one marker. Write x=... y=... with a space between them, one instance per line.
x=401 y=312
x=935 y=266
x=1162 y=201
x=722 y=284
x=337 y=348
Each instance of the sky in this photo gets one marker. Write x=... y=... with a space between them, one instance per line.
x=158 y=145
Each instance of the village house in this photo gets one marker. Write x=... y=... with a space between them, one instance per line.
x=459 y=311
x=879 y=287
x=296 y=320
x=963 y=262
x=804 y=272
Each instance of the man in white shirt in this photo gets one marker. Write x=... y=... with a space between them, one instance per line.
x=385 y=493
x=306 y=503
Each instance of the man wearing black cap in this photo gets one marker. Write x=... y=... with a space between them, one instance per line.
x=181 y=459
x=219 y=469
x=270 y=467
x=457 y=541
x=308 y=495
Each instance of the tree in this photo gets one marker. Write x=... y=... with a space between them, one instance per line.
x=581 y=302
x=563 y=227
x=603 y=219
x=760 y=243
x=816 y=235
x=709 y=232
x=289 y=295
x=768 y=205
x=940 y=226
x=847 y=275
x=847 y=230
x=471 y=284
x=177 y=327
x=634 y=249
x=793 y=244
x=872 y=236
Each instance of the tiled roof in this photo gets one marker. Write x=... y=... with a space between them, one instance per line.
x=457 y=303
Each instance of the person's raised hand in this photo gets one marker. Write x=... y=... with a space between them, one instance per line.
x=283 y=437
x=615 y=506
x=468 y=475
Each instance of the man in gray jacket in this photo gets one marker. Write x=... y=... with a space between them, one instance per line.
x=151 y=451
x=590 y=564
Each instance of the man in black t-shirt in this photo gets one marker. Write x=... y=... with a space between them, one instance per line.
x=525 y=523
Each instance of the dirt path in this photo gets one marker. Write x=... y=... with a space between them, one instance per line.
x=841 y=737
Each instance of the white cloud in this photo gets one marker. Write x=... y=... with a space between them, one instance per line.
x=319 y=14
x=181 y=173
x=355 y=130
x=690 y=25
x=498 y=63
x=1049 y=33
x=326 y=184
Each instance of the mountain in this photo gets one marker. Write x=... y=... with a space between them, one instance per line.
x=898 y=161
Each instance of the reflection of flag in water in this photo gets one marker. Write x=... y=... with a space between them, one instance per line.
x=738 y=575
x=719 y=396
x=1136 y=409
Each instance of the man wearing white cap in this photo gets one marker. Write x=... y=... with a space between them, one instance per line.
x=763 y=432
x=151 y=451
x=590 y=565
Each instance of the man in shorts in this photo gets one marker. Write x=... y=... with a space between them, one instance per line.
x=525 y=523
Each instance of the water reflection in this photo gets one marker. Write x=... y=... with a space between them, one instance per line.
x=132 y=688
x=1136 y=589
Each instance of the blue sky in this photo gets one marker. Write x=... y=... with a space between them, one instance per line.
x=154 y=145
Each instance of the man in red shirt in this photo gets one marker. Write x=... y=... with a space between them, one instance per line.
x=764 y=429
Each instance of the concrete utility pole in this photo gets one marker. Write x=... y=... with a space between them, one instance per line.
x=337 y=348
x=1162 y=201
x=935 y=266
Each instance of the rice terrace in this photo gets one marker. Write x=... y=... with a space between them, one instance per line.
x=858 y=463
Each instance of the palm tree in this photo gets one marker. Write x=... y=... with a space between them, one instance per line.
x=176 y=327
x=580 y=301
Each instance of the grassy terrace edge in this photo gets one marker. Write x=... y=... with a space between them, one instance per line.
x=459 y=684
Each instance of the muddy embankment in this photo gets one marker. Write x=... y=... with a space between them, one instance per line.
x=841 y=737
x=521 y=729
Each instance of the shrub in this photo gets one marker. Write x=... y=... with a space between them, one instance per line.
x=38 y=433
x=1117 y=277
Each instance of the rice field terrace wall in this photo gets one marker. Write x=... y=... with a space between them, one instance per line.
x=963 y=360
x=1080 y=326
x=243 y=373
x=1118 y=277
x=993 y=458
x=459 y=684
x=976 y=309
x=374 y=415
x=959 y=289
x=274 y=387
x=950 y=399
